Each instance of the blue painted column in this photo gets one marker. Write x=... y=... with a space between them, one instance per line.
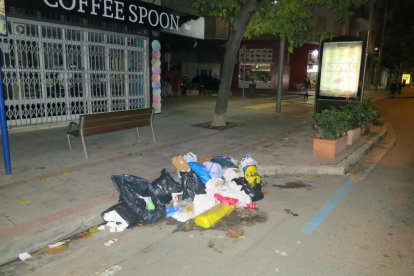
x=4 y=133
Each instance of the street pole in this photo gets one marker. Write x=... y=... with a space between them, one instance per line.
x=4 y=133
x=280 y=77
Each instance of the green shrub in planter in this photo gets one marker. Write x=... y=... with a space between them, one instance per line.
x=362 y=114
x=371 y=114
x=331 y=124
x=356 y=116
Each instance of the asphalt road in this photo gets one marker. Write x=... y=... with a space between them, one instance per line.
x=358 y=224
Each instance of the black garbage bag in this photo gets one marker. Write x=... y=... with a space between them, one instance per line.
x=133 y=184
x=163 y=187
x=224 y=161
x=132 y=191
x=254 y=192
x=192 y=184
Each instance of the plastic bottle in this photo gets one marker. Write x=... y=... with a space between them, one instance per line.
x=251 y=206
x=210 y=217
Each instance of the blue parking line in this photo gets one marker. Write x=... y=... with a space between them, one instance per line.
x=319 y=217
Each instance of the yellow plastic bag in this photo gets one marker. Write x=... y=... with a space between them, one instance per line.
x=210 y=217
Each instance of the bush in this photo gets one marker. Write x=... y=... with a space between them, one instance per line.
x=331 y=124
x=362 y=114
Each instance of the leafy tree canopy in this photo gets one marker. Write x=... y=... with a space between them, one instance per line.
x=293 y=19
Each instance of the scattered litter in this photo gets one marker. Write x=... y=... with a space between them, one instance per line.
x=251 y=206
x=24 y=256
x=210 y=217
x=234 y=233
x=25 y=202
x=58 y=249
x=57 y=244
x=93 y=230
x=280 y=253
x=110 y=271
x=110 y=242
x=115 y=222
x=190 y=157
x=288 y=211
x=101 y=227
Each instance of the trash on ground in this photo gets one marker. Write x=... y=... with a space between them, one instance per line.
x=205 y=190
x=110 y=242
x=210 y=217
x=110 y=271
x=58 y=249
x=234 y=233
x=24 y=256
x=25 y=202
x=57 y=244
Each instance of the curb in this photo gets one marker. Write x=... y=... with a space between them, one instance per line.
x=341 y=168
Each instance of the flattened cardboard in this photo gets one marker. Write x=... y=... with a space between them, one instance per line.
x=180 y=164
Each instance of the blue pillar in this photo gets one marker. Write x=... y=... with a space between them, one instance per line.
x=4 y=133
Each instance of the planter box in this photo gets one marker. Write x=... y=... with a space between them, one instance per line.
x=366 y=129
x=353 y=135
x=328 y=148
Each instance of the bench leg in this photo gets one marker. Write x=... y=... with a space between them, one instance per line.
x=70 y=146
x=84 y=147
x=153 y=134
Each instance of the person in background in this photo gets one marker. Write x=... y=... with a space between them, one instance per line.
x=306 y=87
x=400 y=87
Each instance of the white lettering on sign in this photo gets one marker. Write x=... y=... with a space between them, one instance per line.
x=117 y=10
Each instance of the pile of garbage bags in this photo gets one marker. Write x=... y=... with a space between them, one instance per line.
x=205 y=189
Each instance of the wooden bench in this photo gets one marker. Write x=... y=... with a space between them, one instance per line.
x=92 y=124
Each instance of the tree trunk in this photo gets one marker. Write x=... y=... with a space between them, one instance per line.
x=232 y=46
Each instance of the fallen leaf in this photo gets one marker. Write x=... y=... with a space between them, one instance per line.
x=25 y=202
x=93 y=230
x=45 y=179
x=234 y=233
x=85 y=235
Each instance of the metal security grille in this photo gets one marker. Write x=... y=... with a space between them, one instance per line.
x=54 y=73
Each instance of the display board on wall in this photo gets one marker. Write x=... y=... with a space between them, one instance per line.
x=341 y=71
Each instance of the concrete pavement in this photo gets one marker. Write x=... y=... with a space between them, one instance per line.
x=54 y=193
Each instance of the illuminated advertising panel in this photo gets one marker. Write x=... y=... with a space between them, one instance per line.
x=340 y=69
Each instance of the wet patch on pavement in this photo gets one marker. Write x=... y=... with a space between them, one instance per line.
x=228 y=125
x=293 y=185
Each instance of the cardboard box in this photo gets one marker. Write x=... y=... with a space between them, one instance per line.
x=180 y=164
x=203 y=159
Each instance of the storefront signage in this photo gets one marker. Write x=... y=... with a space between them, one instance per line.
x=148 y=15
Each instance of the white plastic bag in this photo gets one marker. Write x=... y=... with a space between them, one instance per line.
x=190 y=157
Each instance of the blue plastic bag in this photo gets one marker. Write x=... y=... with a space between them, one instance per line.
x=201 y=171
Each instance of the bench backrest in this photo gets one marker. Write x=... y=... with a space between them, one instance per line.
x=91 y=124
